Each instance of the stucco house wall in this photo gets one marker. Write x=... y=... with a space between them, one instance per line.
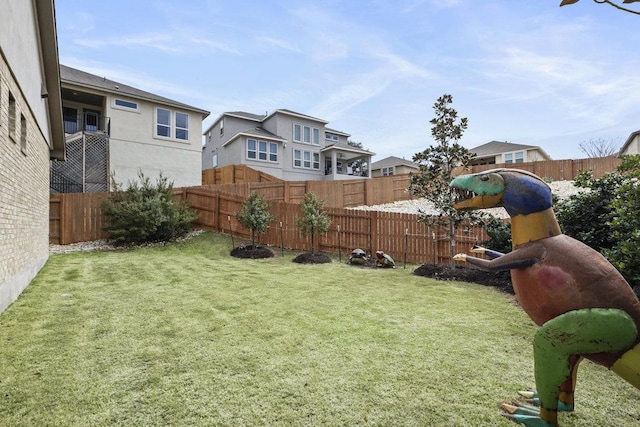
x=30 y=133
x=632 y=145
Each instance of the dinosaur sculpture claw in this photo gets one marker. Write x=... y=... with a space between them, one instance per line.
x=525 y=415
x=531 y=396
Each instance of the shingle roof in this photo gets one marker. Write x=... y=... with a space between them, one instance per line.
x=393 y=161
x=346 y=147
x=496 y=147
x=81 y=78
x=629 y=140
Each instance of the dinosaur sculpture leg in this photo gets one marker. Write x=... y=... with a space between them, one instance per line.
x=578 y=332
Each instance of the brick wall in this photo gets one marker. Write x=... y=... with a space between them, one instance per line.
x=24 y=192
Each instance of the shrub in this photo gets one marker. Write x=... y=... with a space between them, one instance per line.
x=145 y=212
x=499 y=233
x=313 y=220
x=254 y=215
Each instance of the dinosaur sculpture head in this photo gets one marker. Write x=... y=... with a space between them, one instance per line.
x=520 y=192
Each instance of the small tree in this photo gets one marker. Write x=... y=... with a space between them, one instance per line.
x=254 y=215
x=436 y=169
x=313 y=220
x=145 y=212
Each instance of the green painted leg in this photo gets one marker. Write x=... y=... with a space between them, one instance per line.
x=575 y=333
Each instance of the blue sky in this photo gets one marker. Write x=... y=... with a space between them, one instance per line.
x=526 y=72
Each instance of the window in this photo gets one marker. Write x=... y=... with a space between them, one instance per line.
x=316 y=136
x=520 y=157
x=182 y=126
x=297 y=133
x=307 y=135
x=23 y=134
x=126 y=104
x=306 y=159
x=262 y=150
x=70 y=119
x=214 y=161
x=12 y=117
x=330 y=137
x=251 y=149
x=163 y=122
x=222 y=126
x=387 y=171
x=508 y=158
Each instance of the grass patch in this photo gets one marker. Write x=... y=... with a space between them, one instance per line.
x=185 y=334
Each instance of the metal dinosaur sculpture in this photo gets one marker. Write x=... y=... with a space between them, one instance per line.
x=583 y=305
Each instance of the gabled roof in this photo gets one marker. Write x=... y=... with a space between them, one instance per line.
x=337 y=132
x=293 y=113
x=256 y=132
x=497 y=147
x=81 y=78
x=393 y=161
x=629 y=141
x=259 y=118
x=343 y=146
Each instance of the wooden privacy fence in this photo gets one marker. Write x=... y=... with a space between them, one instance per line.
x=336 y=194
x=402 y=236
x=560 y=170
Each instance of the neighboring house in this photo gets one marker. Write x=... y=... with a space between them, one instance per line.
x=288 y=145
x=496 y=152
x=30 y=135
x=393 y=166
x=112 y=128
x=632 y=146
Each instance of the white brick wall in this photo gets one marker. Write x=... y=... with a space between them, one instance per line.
x=24 y=195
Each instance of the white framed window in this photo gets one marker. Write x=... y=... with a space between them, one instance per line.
x=222 y=126
x=306 y=159
x=297 y=133
x=387 y=171
x=508 y=158
x=125 y=105
x=307 y=135
x=262 y=150
x=163 y=122
x=519 y=157
x=316 y=136
x=182 y=126
x=214 y=161
x=252 y=149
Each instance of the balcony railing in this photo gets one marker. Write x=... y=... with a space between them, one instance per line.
x=89 y=122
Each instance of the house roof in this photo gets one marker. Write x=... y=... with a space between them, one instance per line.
x=81 y=78
x=262 y=117
x=393 y=161
x=629 y=140
x=256 y=132
x=343 y=146
x=337 y=132
x=497 y=147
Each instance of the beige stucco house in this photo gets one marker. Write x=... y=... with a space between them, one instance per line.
x=496 y=152
x=288 y=145
x=30 y=135
x=393 y=165
x=632 y=145
x=113 y=128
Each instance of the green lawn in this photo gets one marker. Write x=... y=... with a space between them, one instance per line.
x=186 y=335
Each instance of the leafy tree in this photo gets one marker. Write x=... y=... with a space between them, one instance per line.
x=625 y=224
x=359 y=166
x=254 y=215
x=145 y=212
x=585 y=216
x=313 y=220
x=610 y=3
x=436 y=165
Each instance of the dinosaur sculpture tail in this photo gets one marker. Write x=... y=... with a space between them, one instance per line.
x=628 y=366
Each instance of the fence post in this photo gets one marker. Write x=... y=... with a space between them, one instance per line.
x=373 y=231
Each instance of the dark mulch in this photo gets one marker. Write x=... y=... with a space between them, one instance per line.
x=500 y=280
x=312 y=258
x=248 y=251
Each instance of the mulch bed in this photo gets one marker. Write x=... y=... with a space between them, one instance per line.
x=248 y=251
x=312 y=258
x=500 y=280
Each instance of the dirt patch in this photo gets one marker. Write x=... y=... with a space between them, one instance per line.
x=500 y=280
x=312 y=258
x=249 y=251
